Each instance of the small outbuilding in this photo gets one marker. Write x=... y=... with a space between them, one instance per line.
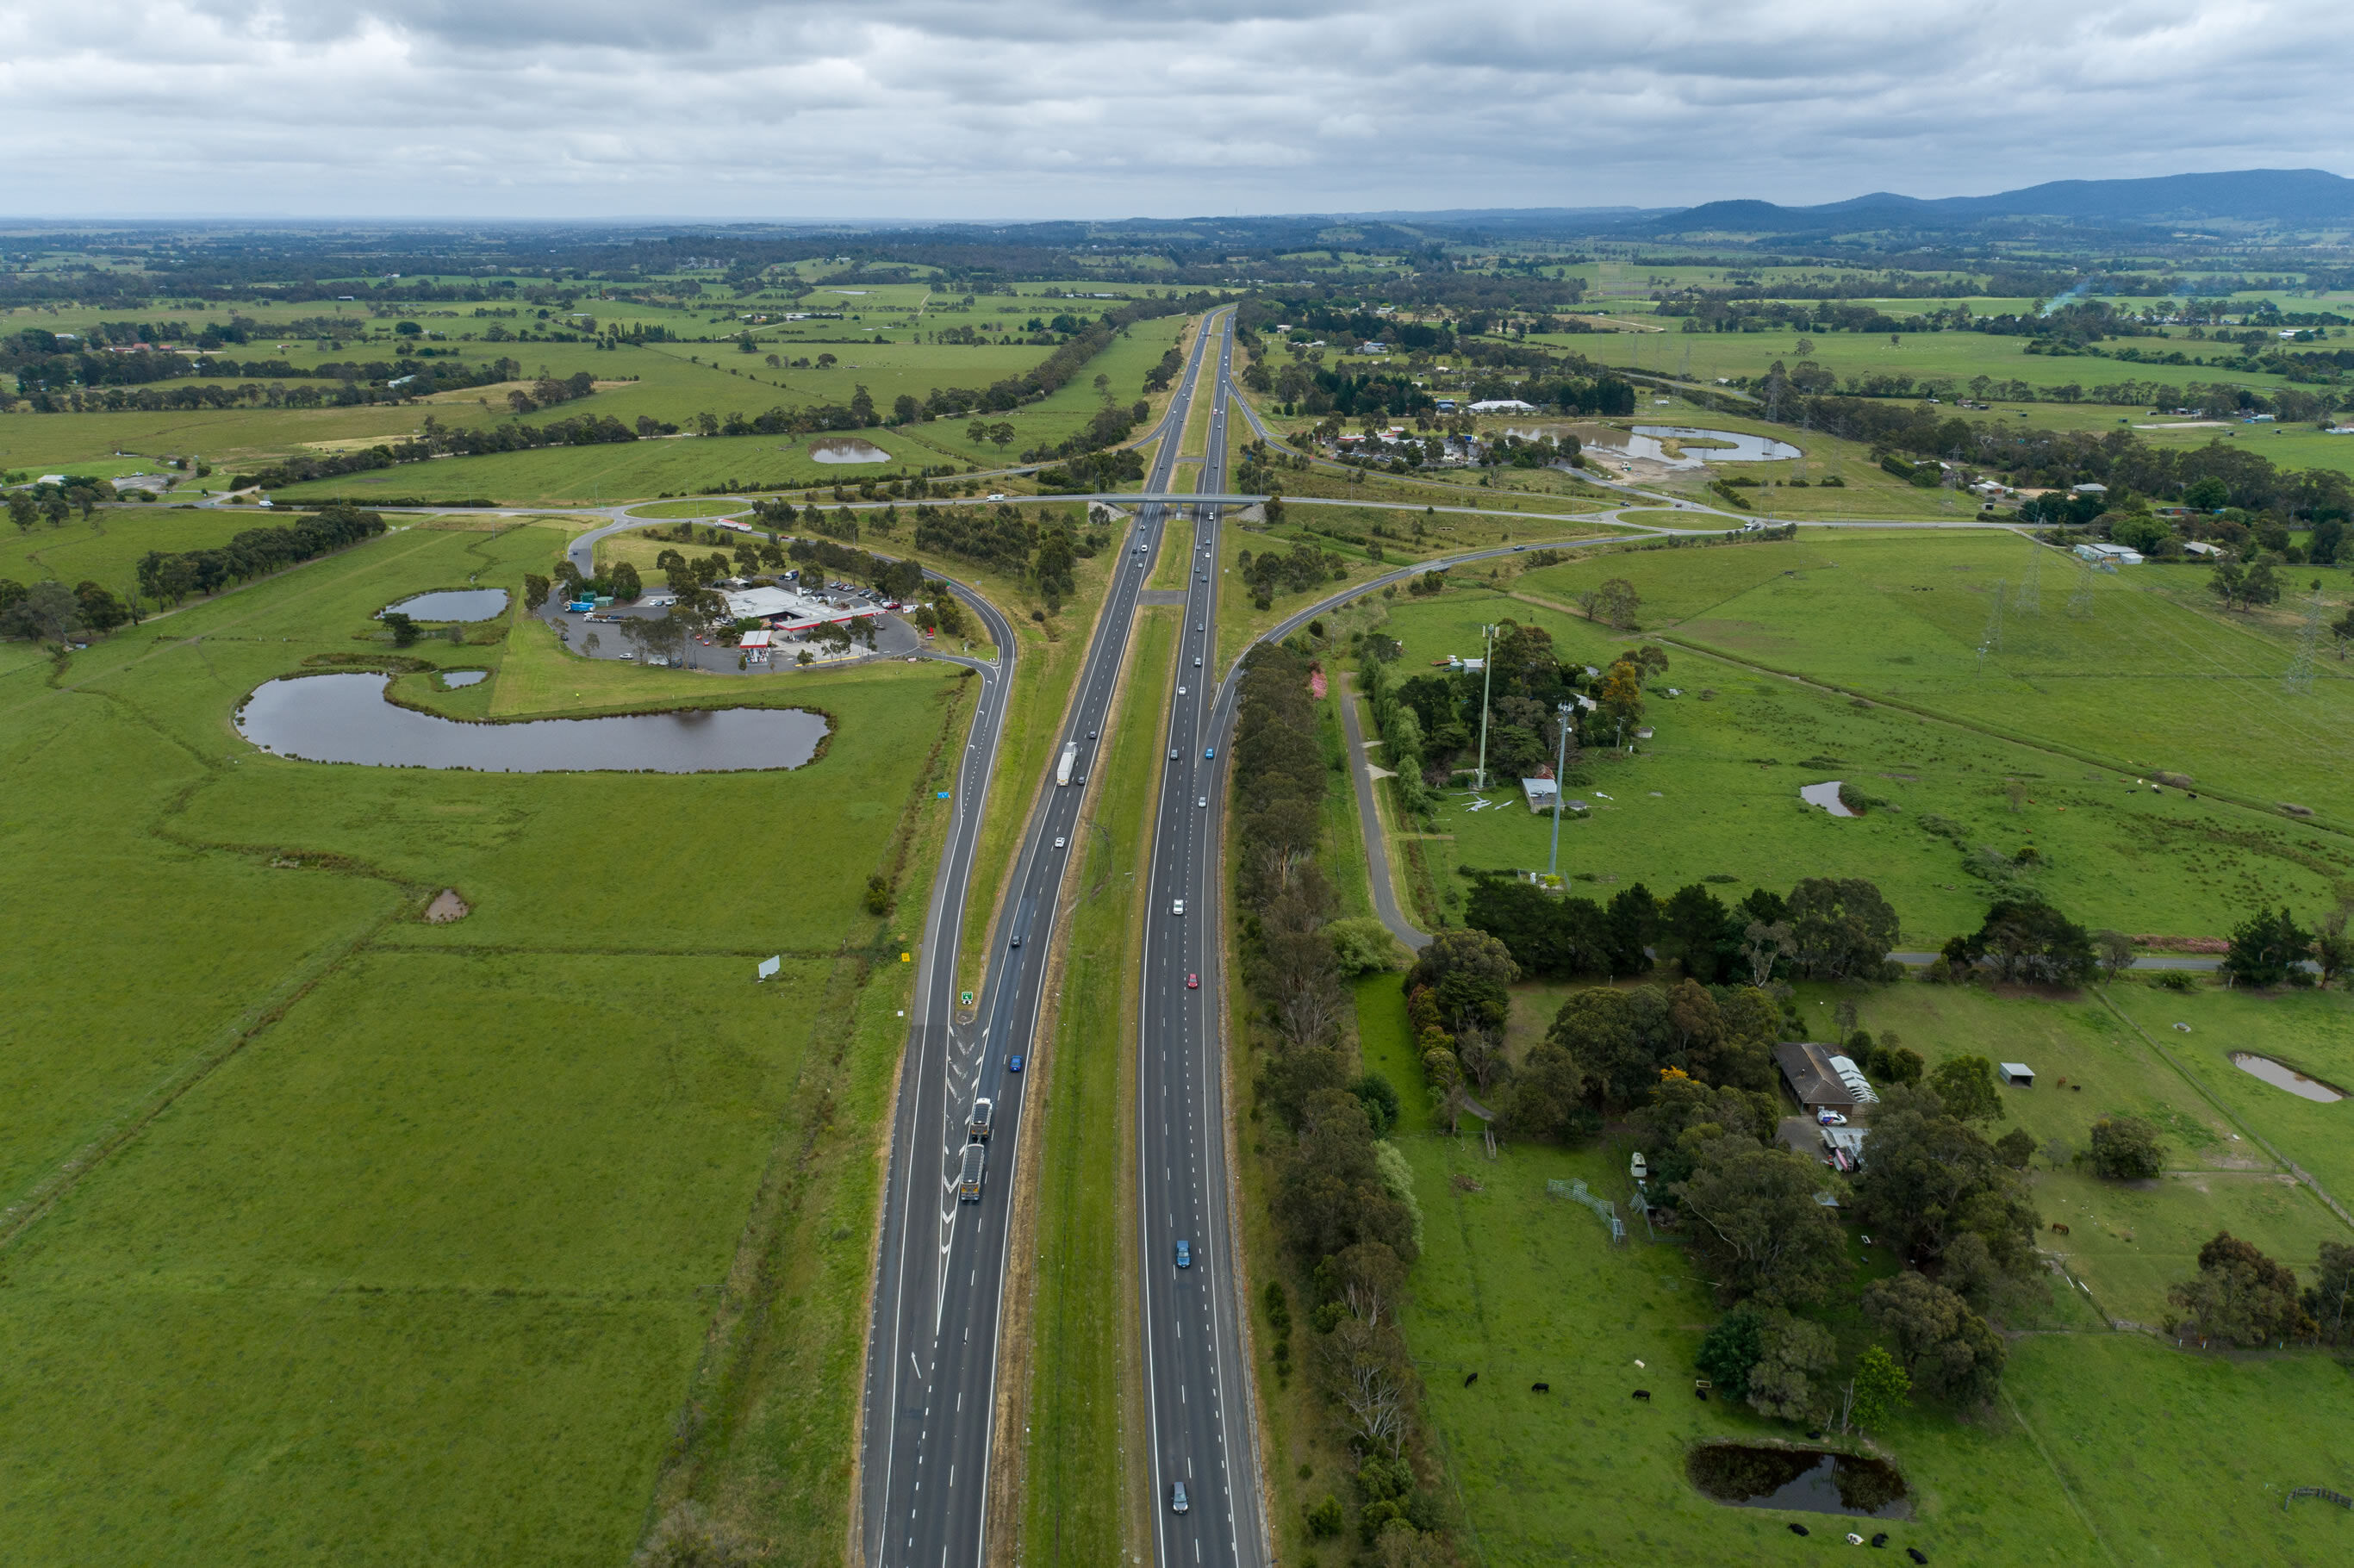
x=2019 y=1074
x=1541 y=793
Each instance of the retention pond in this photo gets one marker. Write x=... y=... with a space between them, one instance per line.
x=452 y=604
x=345 y=719
x=1810 y=1480
x=2281 y=1075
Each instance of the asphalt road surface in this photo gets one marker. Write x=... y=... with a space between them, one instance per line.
x=931 y=1370
x=1199 y=1405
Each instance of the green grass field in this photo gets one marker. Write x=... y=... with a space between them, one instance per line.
x=418 y=1239
x=2075 y=708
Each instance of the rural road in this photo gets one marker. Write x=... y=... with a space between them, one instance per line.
x=1379 y=874
x=931 y=1397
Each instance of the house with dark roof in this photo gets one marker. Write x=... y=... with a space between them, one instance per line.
x=1814 y=1082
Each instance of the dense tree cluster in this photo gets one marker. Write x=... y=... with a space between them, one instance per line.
x=175 y=575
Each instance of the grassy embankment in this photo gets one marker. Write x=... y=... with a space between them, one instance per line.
x=1081 y=1483
x=439 y=1218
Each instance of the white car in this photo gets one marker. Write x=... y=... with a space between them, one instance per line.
x=997 y=495
x=1830 y=1118
x=1058 y=841
x=1177 y=907
x=1204 y=802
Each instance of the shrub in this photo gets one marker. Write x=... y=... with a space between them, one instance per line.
x=2126 y=1149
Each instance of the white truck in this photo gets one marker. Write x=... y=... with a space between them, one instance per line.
x=1070 y=761
x=977 y=1128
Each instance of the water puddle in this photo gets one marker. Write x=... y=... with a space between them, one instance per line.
x=1809 y=1480
x=464 y=677
x=455 y=604
x=2282 y=1076
x=843 y=448
x=1827 y=797
x=345 y=719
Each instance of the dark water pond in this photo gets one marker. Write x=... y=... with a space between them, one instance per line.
x=345 y=719
x=1809 y=1480
x=455 y=604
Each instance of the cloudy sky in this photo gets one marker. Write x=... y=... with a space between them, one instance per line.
x=1092 y=109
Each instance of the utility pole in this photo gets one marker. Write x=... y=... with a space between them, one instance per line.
x=1487 y=677
x=1552 y=866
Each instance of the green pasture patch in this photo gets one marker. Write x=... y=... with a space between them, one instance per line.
x=714 y=507
x=1727 y=768
x=2307 y=1031
x=414 y=1236
x=380 y=1426
x=456 y=1121
x=2128 y=670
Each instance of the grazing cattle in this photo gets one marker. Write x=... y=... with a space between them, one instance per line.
x=1643 y=1394
x=2060 y=1228
x=1799 y=1530
x=1881 y=1539
x=1469 y=1380
x=1915 y=1552
x=2074 y=1088
x=1540 y=1388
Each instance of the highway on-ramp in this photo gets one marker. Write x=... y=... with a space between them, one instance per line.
x=931 y=1396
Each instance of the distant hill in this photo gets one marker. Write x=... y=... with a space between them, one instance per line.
x=2294 y=198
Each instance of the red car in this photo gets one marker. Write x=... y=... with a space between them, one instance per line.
x=1193 y=982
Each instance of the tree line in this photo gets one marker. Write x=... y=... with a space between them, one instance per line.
x=1343 y=1198
x=172 y=575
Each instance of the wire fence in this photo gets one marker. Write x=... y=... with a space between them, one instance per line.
x=1575 y=1189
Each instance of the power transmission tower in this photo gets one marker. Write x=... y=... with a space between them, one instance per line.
x=2300 y=671
x=2029 y=599
x=1683 y=365
x=2080 y=601
x=1992 y=641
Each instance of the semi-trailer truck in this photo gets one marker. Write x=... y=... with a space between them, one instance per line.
x=1070 y=761
x=976 y=1169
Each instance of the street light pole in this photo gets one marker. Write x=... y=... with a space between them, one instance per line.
x=1487 y=676
x=1552 y=866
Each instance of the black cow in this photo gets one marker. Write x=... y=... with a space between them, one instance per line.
x=1540 y=1388
x=1470 y=1379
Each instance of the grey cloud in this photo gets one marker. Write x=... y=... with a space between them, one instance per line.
x=1088 y=107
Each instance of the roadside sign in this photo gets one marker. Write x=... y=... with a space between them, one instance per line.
x=770 y=966
x=903 y=958
x=967 y=996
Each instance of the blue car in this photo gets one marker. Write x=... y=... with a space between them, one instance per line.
x=1208 y=752
x=1184 y=1254
x=1014 y=1062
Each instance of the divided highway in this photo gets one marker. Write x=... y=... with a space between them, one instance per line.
x=930 y=1399
x=1197 y=1377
